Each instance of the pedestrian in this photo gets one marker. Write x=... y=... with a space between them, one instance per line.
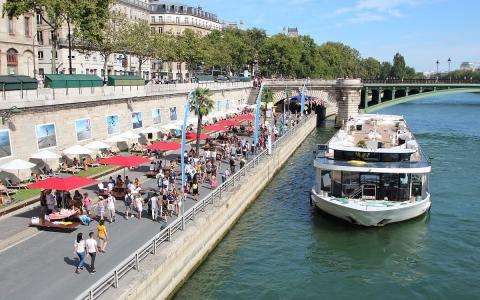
x=225 y=175
x=154 y=206
x=195 y=193
x=91 y=246
x=101 y=207
x=128 y=204
x=242 y=162
x=111 y=208
x=139 y=206
x=50 y=199
x=232 y=164
x=79 y=249
x=87 y=203
x=102 y=235
x=213 y=182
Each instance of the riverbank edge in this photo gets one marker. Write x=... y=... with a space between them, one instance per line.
x=173 y=265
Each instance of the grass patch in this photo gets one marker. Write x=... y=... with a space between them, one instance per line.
x=25 y=194
x=93 y=171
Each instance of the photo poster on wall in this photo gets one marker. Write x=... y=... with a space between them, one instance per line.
x=113 y=124
x=156 y=115
x=46 y=136
x=5 y=147
x=137 y=120
x=83 y=128
x=173 y=113
x=219 y=103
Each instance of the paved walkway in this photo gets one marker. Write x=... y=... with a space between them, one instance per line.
x=43 y=265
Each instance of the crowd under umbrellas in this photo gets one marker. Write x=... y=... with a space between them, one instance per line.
x=226 y=148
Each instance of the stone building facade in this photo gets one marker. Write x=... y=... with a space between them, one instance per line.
x=17 y=48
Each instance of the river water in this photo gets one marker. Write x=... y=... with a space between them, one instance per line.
x=282 y=248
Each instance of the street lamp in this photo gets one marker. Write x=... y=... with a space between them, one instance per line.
x=449 y=64
x=438 y=62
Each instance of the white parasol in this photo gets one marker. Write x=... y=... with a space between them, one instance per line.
x=130 y=135
x=45 y=155
x=97 y=145
x=77 y=150
x=17 y=164
x=116 y=139
x=150 y=129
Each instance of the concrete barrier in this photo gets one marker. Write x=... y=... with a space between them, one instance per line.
x=162 y=274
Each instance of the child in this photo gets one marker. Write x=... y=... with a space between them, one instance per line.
x=102 y=235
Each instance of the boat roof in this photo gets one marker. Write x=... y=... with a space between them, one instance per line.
x=375 y=133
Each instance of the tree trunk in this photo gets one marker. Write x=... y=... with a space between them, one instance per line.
x=199 y=131
x=105 y=60
x=70 y=68
x=140 y=63
x=54 y=51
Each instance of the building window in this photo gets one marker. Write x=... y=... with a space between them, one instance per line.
x=160 y=29
x=160 y=19
x=40 y=37
x=12 y=61
x=26 y=24
x=39 y=20
x=11 y=28
x=177 y=19
x=40 y=54
x=153 y=19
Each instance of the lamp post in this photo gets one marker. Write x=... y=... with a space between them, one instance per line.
x=449 y=64
x=438 y=62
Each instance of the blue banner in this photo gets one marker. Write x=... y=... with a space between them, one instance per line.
x=186 y=113
x=257 y=116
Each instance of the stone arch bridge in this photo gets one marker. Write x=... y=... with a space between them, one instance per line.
x=348 y=97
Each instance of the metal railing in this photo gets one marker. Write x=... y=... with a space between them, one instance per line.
x=113 y=277
x=421 y=81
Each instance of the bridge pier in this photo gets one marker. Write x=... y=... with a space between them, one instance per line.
x=380 y=91
x=394 y=90
x=348 y=99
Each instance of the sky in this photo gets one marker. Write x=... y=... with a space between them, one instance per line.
x=421 y=30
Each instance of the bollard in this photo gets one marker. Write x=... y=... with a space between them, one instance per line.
x=115 y=274
x=136 y=261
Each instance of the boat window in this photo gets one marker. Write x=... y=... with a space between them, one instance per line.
x=416 y=185
x=326 y=180
x=390 y=157
x=337 y=183
x=350 y=184
x=404 y=187
x=405 y=157
x=389 y=187
x=369 y=183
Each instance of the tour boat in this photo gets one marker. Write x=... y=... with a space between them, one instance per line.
x=372 y=172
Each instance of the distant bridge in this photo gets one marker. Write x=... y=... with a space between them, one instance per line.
x=380 y=94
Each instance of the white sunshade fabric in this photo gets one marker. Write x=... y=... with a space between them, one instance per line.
x=97 y=145
x=45 y=154
x=116 y=139
x=129 y=135
x=150 y=129
x=17 y=164
x=77 y=150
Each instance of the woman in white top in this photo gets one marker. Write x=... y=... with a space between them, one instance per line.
x=79 y=249
x=111 y=208
x=139 y=206
x=91 y=246
x=154 y=207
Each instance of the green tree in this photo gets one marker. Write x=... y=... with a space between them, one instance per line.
x=267 y=99
x=398 y=68
x=371 y=68
x=201 y=104
x=191 y=50
x=164 y=49
x=107 y=40
x=280 y=56
x=217 y=52
x=385 y=70
x=139 y=41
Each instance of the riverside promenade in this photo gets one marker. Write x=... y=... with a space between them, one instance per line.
x=43 y=265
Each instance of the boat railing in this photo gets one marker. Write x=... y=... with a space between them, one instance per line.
x=132 y=262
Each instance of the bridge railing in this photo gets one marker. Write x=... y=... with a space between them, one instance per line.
x=421 y=81
x=112 y=278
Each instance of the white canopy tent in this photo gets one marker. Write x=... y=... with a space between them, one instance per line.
x=17 y=165
x=129 y=135
x=150 y=130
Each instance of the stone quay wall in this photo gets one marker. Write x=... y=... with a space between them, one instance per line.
x=24 y=128
x=162 y=274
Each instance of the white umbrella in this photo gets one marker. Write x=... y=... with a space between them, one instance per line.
x=150 y=129
x=130 y=135
x=97 y=145
x=116 y=139
x=17 y=164
x=77 y=150
x=45 y=154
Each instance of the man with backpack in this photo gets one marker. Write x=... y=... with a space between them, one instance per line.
x=128 y=204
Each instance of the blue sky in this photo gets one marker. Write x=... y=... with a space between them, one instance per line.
x=422 y=30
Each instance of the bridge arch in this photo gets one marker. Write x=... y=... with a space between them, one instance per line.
x=414 y=97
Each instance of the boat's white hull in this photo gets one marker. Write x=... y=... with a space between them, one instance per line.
x=371 y=216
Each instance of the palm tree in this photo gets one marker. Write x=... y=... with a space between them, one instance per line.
x=267 y=98
x=202 y=104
